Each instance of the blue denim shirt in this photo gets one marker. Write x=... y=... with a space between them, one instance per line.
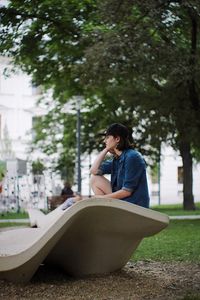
x=128 y=172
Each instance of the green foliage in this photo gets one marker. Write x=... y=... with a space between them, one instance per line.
x=147 y=64
x=149 y=59
x=37 y=167
x=178 y=242
x=56 y=133
x=13 y=224
x=14 y=215
x=47 y=40
x=2 y=170
x=176 y=209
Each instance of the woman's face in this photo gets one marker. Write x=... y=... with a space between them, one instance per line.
x=111 y=142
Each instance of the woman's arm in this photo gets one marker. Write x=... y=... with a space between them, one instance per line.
x=96 y=164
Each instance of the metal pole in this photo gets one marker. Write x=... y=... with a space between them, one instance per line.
x=79 y=144
x=89 y=175
x=159 y=175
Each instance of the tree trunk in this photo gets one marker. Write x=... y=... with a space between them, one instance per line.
x=188 y=198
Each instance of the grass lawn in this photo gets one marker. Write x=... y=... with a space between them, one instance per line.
x=4 y=225
x=176 y=209
x=14 y=215
x=178 y=242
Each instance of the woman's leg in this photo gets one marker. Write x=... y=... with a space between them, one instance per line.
x=100 y=185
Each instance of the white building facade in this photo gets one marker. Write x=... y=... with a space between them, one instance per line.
x=16 y=102
x=169 y=189
x=18 y=107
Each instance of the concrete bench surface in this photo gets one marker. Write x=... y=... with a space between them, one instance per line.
x=93 y=236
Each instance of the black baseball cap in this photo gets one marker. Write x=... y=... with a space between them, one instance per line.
x=117 y=129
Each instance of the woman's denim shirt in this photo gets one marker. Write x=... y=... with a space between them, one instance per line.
x=128 y=172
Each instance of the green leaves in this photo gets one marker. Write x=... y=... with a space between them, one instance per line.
x=2 y=170
x=37 y=167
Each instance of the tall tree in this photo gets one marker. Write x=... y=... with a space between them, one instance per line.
x=149 y=57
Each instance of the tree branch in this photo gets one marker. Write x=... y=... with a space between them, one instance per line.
x=27 y=16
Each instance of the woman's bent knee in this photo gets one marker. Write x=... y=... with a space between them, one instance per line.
x=93 y=179
x=97 y=179
x=100 y=184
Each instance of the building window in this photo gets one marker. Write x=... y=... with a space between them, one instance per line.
x=180 y=175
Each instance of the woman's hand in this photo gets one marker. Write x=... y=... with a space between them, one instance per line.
x=95 y=166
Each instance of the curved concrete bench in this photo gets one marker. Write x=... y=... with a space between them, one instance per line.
x=93 y=236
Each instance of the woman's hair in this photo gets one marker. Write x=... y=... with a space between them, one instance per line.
x=122 y=131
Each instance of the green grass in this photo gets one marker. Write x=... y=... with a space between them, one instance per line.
x=13 y=215
x=9 y=224
x=176 y=209
x=178 y=242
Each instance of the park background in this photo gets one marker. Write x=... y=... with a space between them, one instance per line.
x=91 y=64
